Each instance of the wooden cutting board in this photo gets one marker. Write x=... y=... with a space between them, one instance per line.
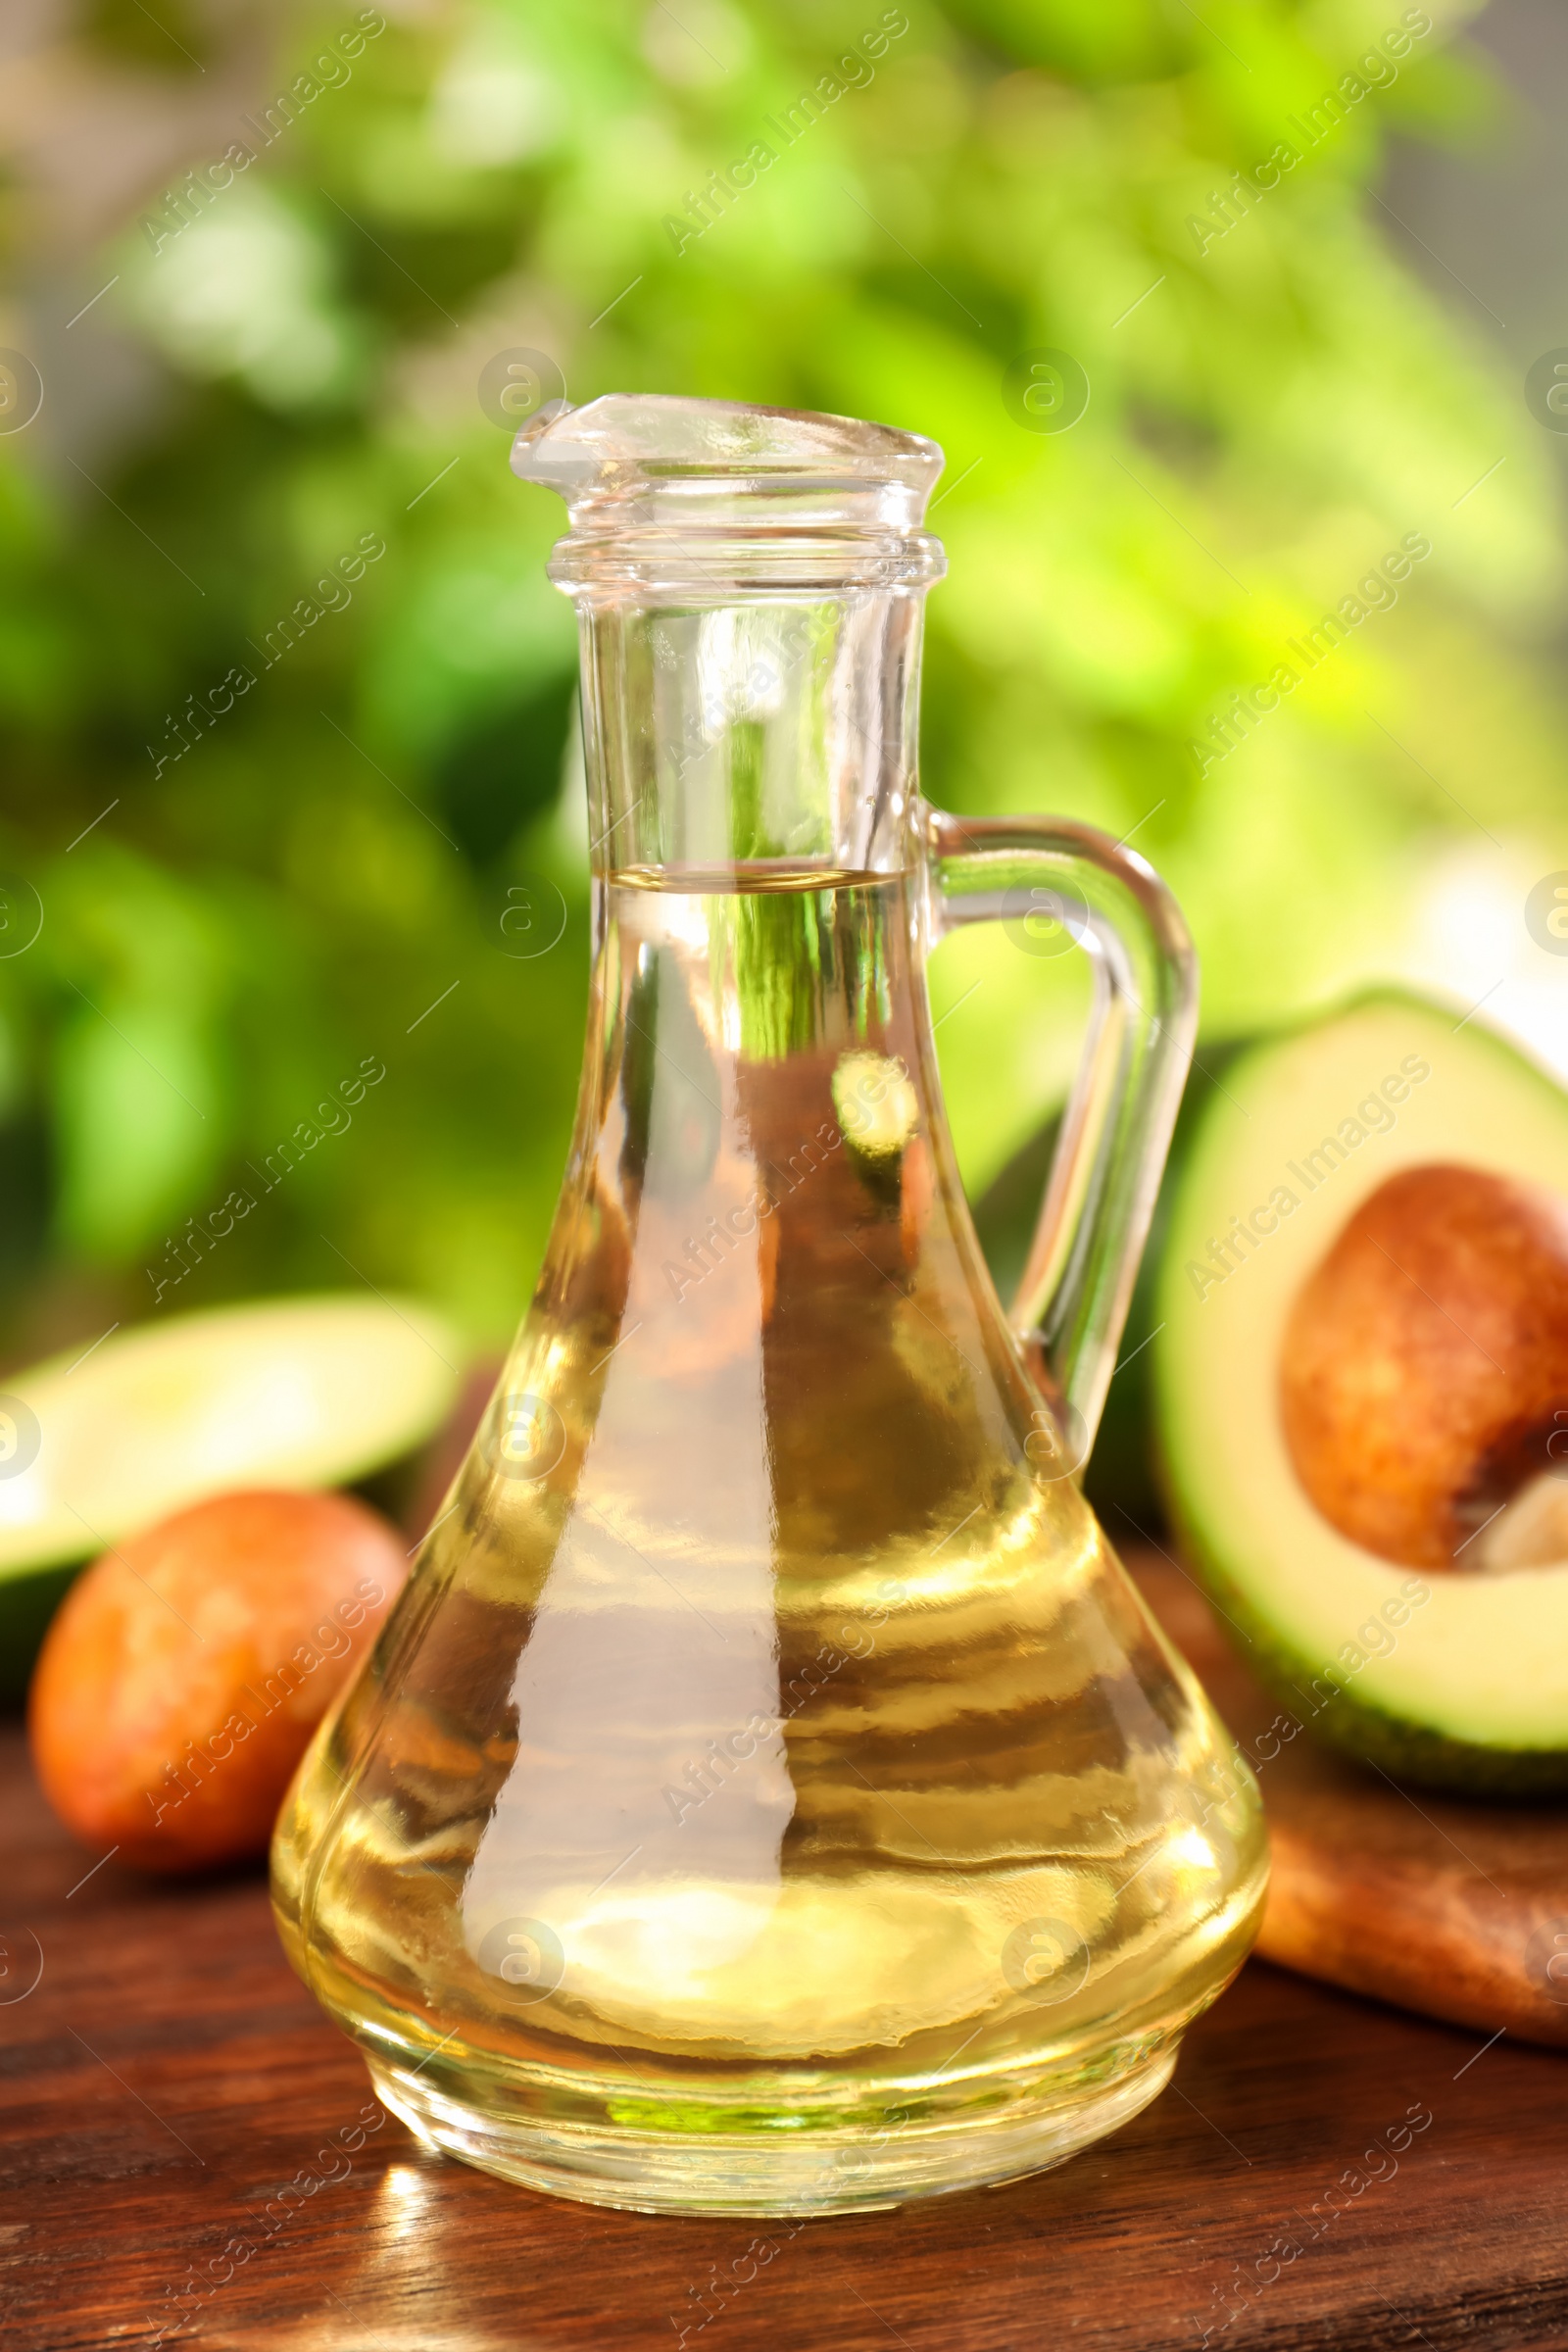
x=1457 y=1910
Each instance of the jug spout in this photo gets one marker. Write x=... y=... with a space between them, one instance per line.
x=634 y=461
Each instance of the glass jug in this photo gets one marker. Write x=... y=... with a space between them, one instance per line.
x=770 y=1794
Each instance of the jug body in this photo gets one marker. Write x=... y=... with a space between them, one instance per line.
x=769 y=1794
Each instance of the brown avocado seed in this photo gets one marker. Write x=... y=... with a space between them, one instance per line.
x=1424 y=1375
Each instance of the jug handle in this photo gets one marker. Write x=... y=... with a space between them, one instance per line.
x=1072 y=1299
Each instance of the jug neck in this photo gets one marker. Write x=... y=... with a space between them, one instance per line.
x=750 y=585
x=750 y=734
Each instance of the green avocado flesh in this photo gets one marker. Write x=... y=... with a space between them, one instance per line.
x=310 y=1392
x=1459 y=1680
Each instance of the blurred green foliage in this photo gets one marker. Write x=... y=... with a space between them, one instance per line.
x=1272 y=409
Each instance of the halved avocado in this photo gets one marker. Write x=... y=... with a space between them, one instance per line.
x=1360 y=1292
x=308 y=1391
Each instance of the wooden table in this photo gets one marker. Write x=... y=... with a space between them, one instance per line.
x=167 y=2077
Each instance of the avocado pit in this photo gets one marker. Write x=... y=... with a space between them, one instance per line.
x=1424 y=1374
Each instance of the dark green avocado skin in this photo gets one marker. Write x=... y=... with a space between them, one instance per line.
x=1134 y=1497
x=1121 y=1481
x=1404 y=1751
